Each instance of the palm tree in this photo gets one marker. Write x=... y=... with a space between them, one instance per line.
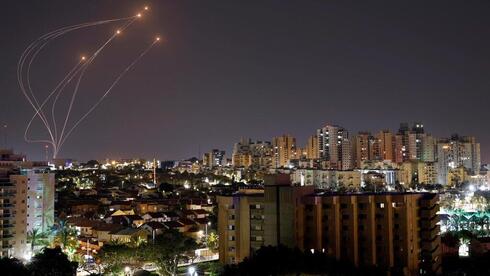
x=35 y=237
x=65 y=236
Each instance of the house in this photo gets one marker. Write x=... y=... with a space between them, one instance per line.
x=188 y=224
x=84 y=207
x=103 y=231
x=83 y=226
x=120 y=212
x=175 y=225
x=154 y=227
x=200 y=213
x=128 y=234
x=120 y=205
x=126 y=220
x=171 y=215
x=144 y=206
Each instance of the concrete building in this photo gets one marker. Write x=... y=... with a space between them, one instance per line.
x=312 y=151
x=240 y=225
x=327 y=179
x=417 y=172
x=333 y=146
x=457 y=152
x=360 y=148
x=27 y=202
x=284 y=148
x=214 y=158
x=385 y=143
x=396 y=231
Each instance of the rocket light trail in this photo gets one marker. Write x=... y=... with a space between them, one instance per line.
x=58 y=138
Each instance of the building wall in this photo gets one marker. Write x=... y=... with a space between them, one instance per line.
x=381 y=229
x=391 y=230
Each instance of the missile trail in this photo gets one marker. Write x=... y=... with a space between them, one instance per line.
x=58 y=138
x=114 y=83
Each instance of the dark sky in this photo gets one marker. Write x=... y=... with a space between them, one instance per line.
x=255 y=69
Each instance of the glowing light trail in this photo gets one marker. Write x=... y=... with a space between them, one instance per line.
x=57 y=139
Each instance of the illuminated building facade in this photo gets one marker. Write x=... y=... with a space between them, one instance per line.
x=396 y=231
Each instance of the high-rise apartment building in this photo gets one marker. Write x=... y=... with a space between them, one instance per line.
x=385 y=145
x=361 y=148
x=331 y=146
x=417 y=172
x=396 y=231
x=284 y=148
x=429 y=148
x=254 y=154
x=214 y=158
x=457 y=152
x=27 y=202
x=312 y=151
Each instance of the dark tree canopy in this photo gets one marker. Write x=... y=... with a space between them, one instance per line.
x=12 y=267
x=52 y=261
x=282 y=260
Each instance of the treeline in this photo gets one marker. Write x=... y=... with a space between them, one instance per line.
x=282 y=260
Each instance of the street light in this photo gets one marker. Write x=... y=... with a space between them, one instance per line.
x=191 y=270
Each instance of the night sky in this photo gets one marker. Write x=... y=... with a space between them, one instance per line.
x=232 y=69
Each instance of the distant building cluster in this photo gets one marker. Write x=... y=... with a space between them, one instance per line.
x=333 y=157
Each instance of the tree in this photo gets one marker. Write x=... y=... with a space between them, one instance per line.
x=12 y=267
x=169 y=249
x=36 y=238
x=52 y=261
x=65 y=237
x=212 y=242
x=115 y=255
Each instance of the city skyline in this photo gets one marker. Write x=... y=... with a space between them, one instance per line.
x=281 y=73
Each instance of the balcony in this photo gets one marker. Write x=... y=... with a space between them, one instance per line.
x=5 y=226
x=429 y=213
x=429 y=234
x=428 y=223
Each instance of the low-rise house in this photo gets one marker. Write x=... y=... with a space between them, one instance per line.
x=83 y=226
x=129 y=234
x=154 y=227
x=175 y=225
x=126 y=220
x=122 y=213
x=200 y=213
x=84 y=207
x=103 y=231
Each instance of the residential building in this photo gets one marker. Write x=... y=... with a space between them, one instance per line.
x=27 y=202
x=457 y=152
x=284 y=148
x=333 y=146
x=360 y=148
x=396 y=231
x=312 y=151
x=214 y=158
